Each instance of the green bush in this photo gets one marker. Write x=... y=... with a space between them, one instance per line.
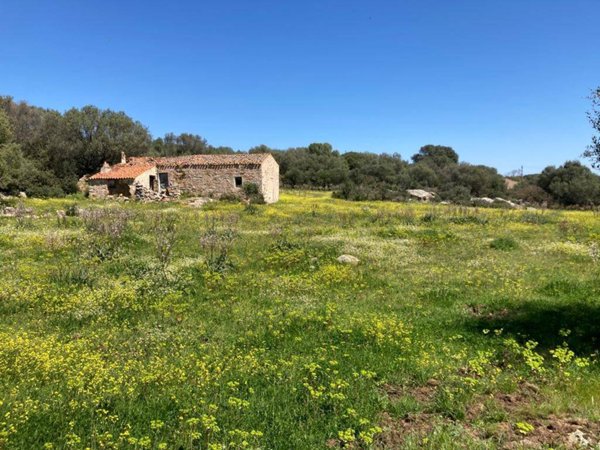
x=504 y=243
x=232 y=198
x=250 y=189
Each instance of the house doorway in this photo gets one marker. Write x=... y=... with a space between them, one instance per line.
x=153 y=183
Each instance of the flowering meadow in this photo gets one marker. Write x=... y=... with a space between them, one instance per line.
x=164 y=326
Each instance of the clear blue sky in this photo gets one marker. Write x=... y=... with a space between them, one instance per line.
x=504 y=82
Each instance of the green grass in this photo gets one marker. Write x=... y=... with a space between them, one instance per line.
x=248 y=333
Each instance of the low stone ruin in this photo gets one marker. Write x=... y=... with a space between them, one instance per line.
x=18 y=211
x=144 y=194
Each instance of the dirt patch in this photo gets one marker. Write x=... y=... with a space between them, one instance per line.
x=482 y=311
x=422 y=394
x=525 y=431
x=395 y=431
x=521 y=431
x=566 y=432
x=519 y=400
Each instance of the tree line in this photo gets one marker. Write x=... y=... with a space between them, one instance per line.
x=44 y=153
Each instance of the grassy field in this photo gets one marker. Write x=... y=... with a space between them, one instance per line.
x=163 y=326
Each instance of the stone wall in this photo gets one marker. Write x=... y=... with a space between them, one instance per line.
x=97 y=188
x=103 y=189
x=144 y=179
x=211 y=182
x=270 y=180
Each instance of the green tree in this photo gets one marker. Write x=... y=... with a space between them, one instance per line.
x=6 y=133
x=571 y=184
x=593 y=150
x=260 y=149
x=93 y=136
x=439 y=155
x=317 y=165
x=185 y=144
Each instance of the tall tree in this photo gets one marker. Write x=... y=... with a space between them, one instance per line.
x=571 y=184
x=6 y=133
x=439 y=155
x=593 y=150
x=93 y=136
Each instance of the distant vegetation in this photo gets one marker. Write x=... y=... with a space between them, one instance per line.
x=44 y=152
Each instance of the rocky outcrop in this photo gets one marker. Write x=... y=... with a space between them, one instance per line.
x=421 y=194
x=496 y=201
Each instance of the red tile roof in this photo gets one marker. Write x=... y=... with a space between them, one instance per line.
x=205 y=160
x=139 y=164
x=126 y=171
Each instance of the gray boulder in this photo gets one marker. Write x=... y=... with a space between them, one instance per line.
x=348 y=259
x=421 y=195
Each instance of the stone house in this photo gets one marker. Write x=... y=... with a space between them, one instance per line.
x=198 y=175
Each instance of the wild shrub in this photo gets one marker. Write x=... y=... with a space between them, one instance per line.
x=216 y=242
x=285 y=253
x=429 y=217
x=72 y=210
x=569 y=229
x=106 y=227
x=164 y=231
x=380 y=217
x=406 y=217
x=250 y=208
x=252 y=193
x=100 y=248
x=503 y=243
x=109 y=222
x=250 y=189
x=23 y=216
x=230 y=198
x=77 y=275
x=536 y=218
x=468 y=220
x=465 y=216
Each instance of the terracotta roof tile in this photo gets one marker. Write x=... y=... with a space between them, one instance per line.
x=126 y=171
x=139 y=164
x=205 y=160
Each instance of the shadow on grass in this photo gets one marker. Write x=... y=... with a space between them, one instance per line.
x=549 y=323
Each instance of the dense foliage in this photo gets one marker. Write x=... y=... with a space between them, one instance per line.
x=160 y=326
x=45 y=152
x=593 y=150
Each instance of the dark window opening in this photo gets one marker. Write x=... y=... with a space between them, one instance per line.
x=238 y=181
x=153 y=182
x=163 y=179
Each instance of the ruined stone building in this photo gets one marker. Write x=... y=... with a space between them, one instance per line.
x=198 y=175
